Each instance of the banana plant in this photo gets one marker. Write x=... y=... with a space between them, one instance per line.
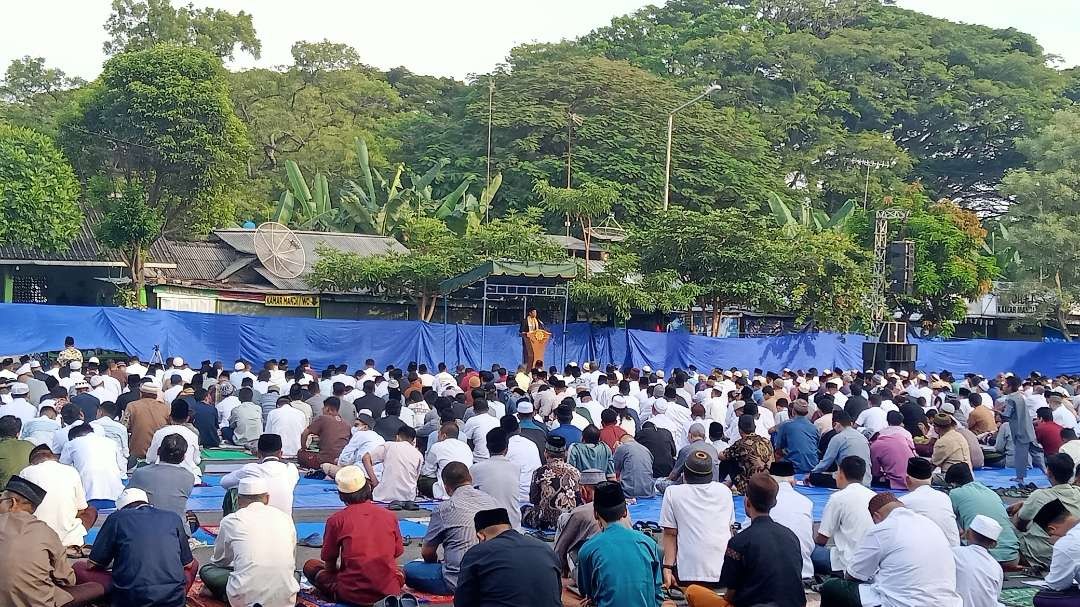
x=463 y=212
x=999 y=245
x=303 y=207
x=365 y=208
x=808 y=218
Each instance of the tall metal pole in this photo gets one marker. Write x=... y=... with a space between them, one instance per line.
x=712 y=88
x=483 y=325
x=487 y=177
x=667 y=163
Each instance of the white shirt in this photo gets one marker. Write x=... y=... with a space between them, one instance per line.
x=476 y=429
x=60 y=437
x=112 y=385
x=978 y=576
x=170 y=395
x=280 y=477
x=99 y=464
x=40 y=430
x=191 y=458
x=362 y=441
x=873 y=419
x=907 y=560
x=703 y=514
x=595 y=410
x=439 y=455
x=224 y=409
x=288 y=423
x=937 y=507
x=427 y=380
x=64 y=498
x=1064 y=562
x=136 y=369
x=796 y=512
x=680 y=415
x=259 y=544
x=237 y=378
x=764 y=421
x=442 y=381
x=717 y=409
x=845 y=521
x=117 y=433
x=525 y=455
x=20 y=408
x=1064 y=417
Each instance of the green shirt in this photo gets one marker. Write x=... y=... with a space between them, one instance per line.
x=976 y=498
x=1037 y=546
x=619 y=567
x=14 y=456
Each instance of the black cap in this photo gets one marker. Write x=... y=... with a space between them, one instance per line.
x=782 y=468
x=555 y=444
x=920 y=468
x=489 y=518
x=32 y=492
x=608 y=494
x=270 y=443
x=1049 y=513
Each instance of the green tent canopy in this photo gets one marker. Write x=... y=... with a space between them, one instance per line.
x=530 y=269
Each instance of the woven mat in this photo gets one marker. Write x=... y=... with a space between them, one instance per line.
x=1018 y=597
x=195 y=599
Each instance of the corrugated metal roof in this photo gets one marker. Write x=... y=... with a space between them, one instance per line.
x=234 y=248
x=572 y=243
x=84 y=249
x=201 y=260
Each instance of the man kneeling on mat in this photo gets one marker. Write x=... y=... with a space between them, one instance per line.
x=360 y=547
x=255 y=552
x=1060 y=525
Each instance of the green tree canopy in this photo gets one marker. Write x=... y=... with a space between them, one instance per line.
x=837 y=80
x=33 y=94
x=39 y=195
x=1044 y=220
x=721 y=158
x=435 y=254
x=136 y=25
x=162 y=116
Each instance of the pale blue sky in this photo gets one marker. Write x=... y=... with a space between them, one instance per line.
x=442 y=37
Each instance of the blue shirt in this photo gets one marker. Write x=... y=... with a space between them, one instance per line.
x=620 y=566
x=799 y=438
x=569 y=432
x=847 y=442
x=148 y=549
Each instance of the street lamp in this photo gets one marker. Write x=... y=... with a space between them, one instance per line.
x=712 y=88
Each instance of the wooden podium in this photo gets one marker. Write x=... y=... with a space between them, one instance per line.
x=533 y=345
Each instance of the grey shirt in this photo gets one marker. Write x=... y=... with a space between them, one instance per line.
x=315 y=402
x=499 y=478
x=167 y=485
x=452 y=528
x=843 y=444
x=633 y=464
x=1016 y=412
x=246 y=422
x=680 y=459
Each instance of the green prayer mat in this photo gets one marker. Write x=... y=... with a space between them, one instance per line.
x=1018 y=597
x=226 y=454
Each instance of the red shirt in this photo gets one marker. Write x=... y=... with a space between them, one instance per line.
x=610 y=435
x=1049 y=436
x=364 y=541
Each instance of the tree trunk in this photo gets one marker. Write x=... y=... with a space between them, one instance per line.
x=1063 y=317
x=421 y=306
x=717 y=309
x=586 y=223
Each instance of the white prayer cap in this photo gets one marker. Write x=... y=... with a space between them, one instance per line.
x=727 y=374
x=130 y=496
x=985 y=526
x=836 y=381
x=659 y=372
x=618 y=401
x=948 y=408
x=79 y=385
x=813 y=385
x=350 y=479
x=660 y=406
x=921 y=376
x=239 y=366
x=75 y=365
x=572 y=363
x=177 y=361
x=903 y=373
x=93 y=359
x=47 y=402
x=96 y=381
x=525 y=407
x=366 y=412
x=19 y=389
x=35 y=364
x=890 y=370
x=646 y=368
x=150 y=387
x=738 y=374
x=23 y=370
x=253 y=485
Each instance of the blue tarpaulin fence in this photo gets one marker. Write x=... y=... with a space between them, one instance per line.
x=41 y=328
